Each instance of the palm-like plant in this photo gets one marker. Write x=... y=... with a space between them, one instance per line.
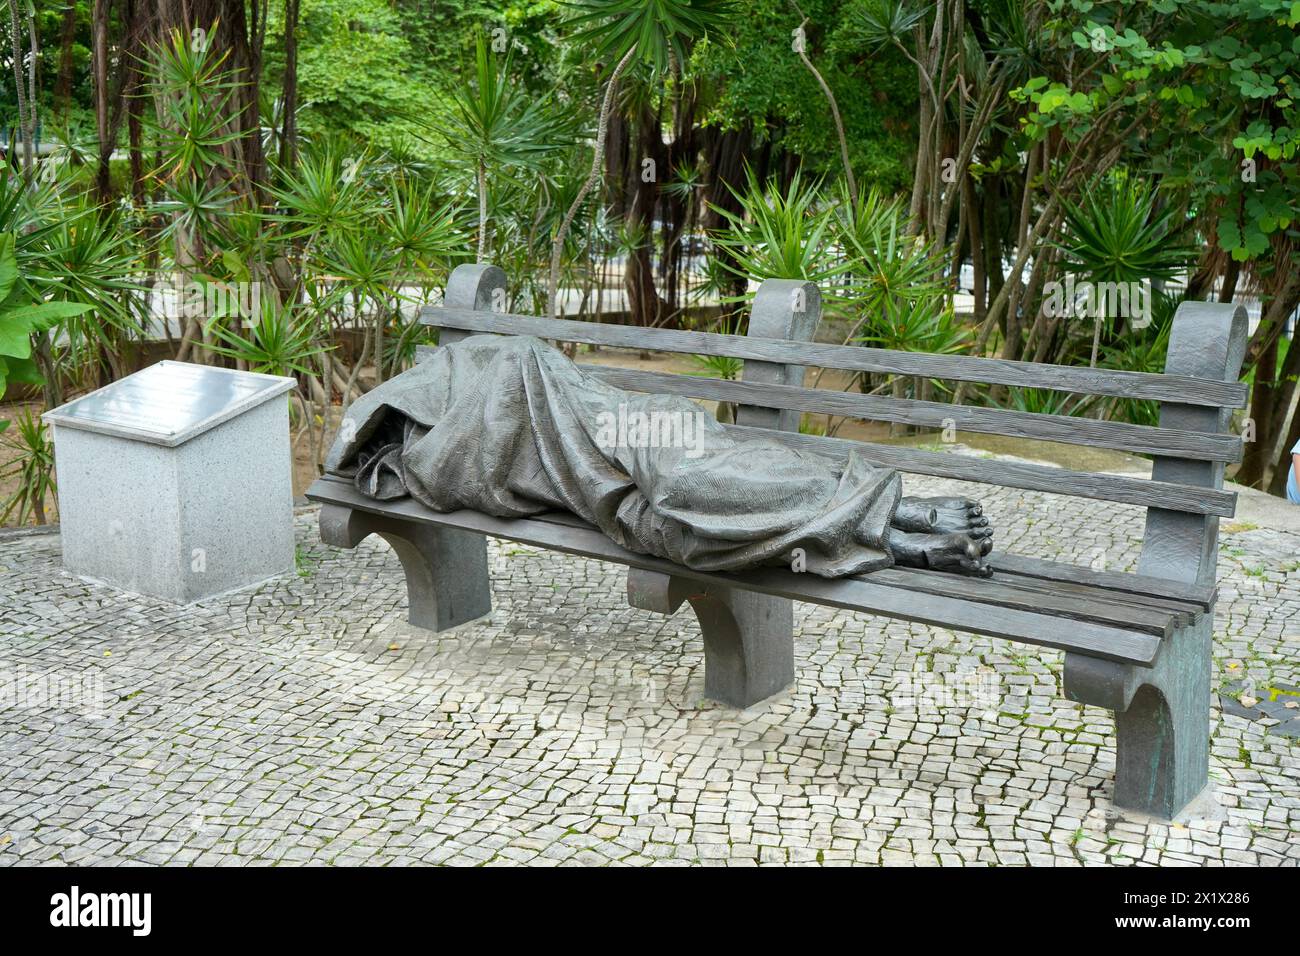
x=30 y=466
x=916 y=325
x=777 y=234
x=654 y=31
x=193 y=93
x=419 y=226
x=364 y=276
x=1045 y=401
x=893 y=282
x=1118 y=233
x=1143 y=350
x=422 y=233
x=281 y=340
x=887 y=268
x=25 y=313
x=89 y=258
x=888 y=21
x=496 y=125
x=324 y=194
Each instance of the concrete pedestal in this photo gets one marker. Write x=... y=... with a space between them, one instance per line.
x=176 y=482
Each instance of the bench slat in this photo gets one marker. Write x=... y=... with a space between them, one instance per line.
x=856 y=594
x=1181 y=614
x=962 y=368
x=1013 y=474
x=1057 y=604
x=1141 y=439
x=1010 y=572
x=1201 y=596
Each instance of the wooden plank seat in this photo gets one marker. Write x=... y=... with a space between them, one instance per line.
x=1136 y=643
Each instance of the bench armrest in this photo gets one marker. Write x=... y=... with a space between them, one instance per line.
x=1208 y=340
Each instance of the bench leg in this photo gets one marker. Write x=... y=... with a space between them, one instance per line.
x=446 y=568
x=1162 y=720
x=748 y=637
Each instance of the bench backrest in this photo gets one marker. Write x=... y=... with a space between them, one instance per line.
x=1197 y=393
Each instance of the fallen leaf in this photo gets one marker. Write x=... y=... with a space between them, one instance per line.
x=394 y=647
x=1291 y=704
x=1249 y=701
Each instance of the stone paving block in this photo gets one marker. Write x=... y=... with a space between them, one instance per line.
x=303 y=722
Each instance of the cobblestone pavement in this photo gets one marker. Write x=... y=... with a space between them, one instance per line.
x=303 y=722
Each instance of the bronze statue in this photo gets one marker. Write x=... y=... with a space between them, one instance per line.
x=511 y=427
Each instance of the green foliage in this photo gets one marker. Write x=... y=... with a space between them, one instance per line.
x=497 y=129
x=369 y=237
x=30 y=465
x=894 y=282
x=1141 y=350
x=73 y=285
x=720 y=366
x=915 y=325
x=281 y=340
x=325 y=194
x=21 y=316
x=493 y=121
x=1216 y=87
x=409 y=109
x=1118 y=233
x=779 y=233
x=755 y=80
x=423 y=229
x=194 y=91
x=657 y=29
x=360 y=71
x=889 y=264
x=1043 y=401
x=889 y=21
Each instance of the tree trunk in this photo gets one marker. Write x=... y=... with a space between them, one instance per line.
x=480 y=177
x=1261 y=353
x=63 y=88
x=835 y=115
x=1258 y=454
x=597 y=160
x=970 y=214
x=99 y=60
x=289 y=94
x=20 y=86
x=1289 y=377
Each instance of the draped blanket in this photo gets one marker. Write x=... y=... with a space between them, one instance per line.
x=508 y=426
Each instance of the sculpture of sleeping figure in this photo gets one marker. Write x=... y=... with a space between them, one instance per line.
x=509 y=426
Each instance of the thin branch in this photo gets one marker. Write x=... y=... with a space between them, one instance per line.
x=597 y=159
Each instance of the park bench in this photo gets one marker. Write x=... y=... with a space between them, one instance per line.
x=1136 y=643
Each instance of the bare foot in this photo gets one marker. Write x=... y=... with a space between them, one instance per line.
x=962 y=552
x=942 y=516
